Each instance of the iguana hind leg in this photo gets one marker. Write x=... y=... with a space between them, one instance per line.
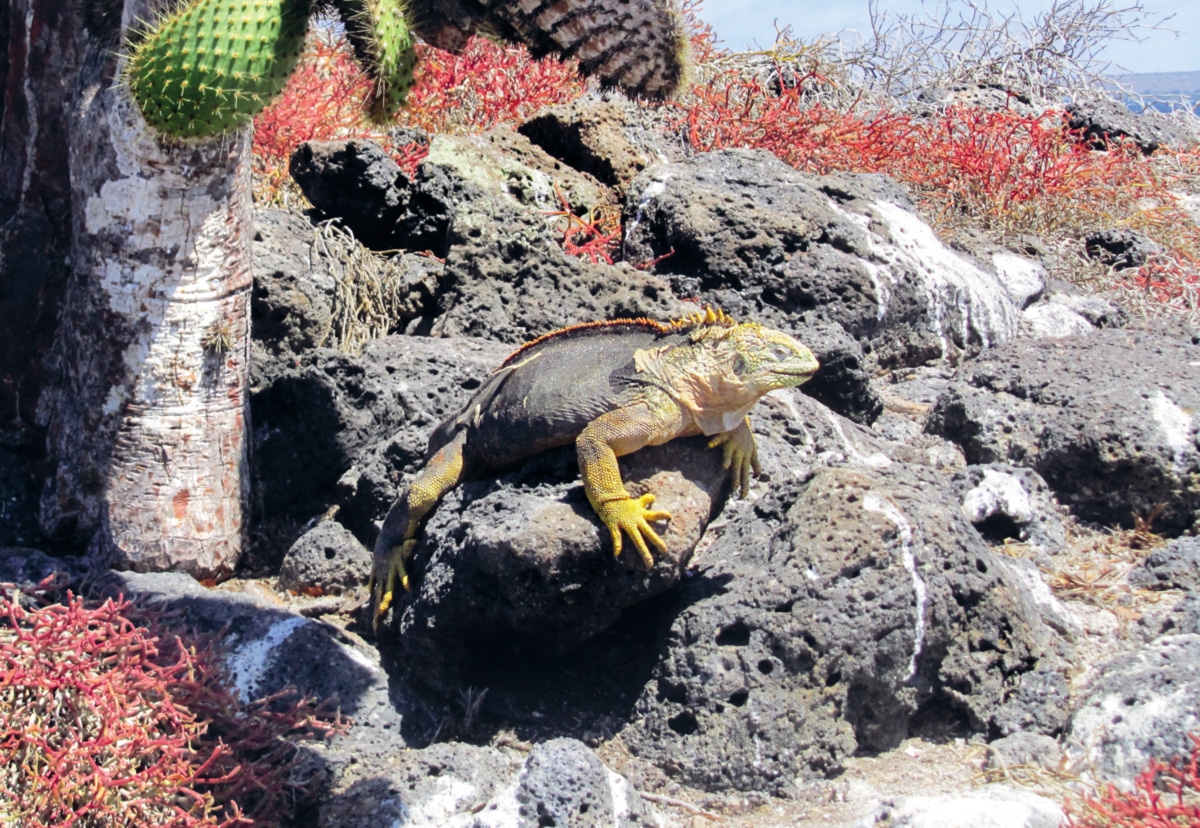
x=398 y=537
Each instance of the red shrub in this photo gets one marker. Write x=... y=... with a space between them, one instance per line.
x=1164 y=795
x=485 y=86
x=106 y=722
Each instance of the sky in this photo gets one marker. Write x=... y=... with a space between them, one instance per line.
x=743 y=23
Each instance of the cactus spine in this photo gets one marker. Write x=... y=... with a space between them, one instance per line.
x=212 y=65
x=385 y=49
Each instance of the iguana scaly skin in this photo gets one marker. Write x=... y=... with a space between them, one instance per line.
x=610 y=388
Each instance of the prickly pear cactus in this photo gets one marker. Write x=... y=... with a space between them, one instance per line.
x=210 y=66
x=385 y=48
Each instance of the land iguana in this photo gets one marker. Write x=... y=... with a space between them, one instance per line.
x=610 y=388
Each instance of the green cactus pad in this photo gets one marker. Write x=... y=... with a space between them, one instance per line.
x=385 y=48
x=212 y=65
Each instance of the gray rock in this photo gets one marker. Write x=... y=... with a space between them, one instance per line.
x=822 y=620
x=1107 y=420
x=1184 y=617
x=291 y=306
x=565 y=784
x=1039 y=705
x=315 y=421
x=1120 y=249
x=1140 y=706
x=748 y=233
x=524 y=556
x=1103 y=120
x=560 y=782
x=26 y=568
x=19 y=494
x=482 y=202
x=844 y=382
x=1175 y=566
x=325 y=560
x=992 y=806
x=1054 y=320
x=1097 y=310
x=1024 y=749
x=356 y=182
x=1006 y=502
x=609 y=140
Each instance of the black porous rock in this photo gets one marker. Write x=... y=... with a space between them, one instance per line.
x=742 y=230
x=524 y=556
x=564 y=783
x=1041 y=703
x=325 y=560
x=355 y=182
x=20 y=491
x=560 y=782
x=843 y=383
x=1102 y=121
x=26 y=568
x=1007 y=502
x=845 y=601
x=292 y=302
x=1174 y=566
x=1120 y=249
x=1107 y=420
x=315 y=421
x=507 y=276
x=1139 y=706
x=1024 y=749
x=610 y=140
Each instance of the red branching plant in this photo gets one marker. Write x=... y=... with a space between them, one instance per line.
x=1164 y=795
x=594 y=236
x=107 y=722
x=485 y=86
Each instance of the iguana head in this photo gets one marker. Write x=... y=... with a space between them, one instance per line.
x=763 y=359
x=725 y=368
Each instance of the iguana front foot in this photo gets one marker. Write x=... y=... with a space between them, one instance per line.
x=387 y=572
x=632 y=516
x=740 y=455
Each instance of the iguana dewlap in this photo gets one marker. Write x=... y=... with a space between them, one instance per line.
x=610 y=388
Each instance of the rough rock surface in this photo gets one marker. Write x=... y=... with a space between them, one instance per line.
x=1006 y=502
x=608 y=140
x=1103 y=120
x=750 y=234
x=325 y=560
x=992 y=806
x=524 y=555
x=1175 y=566
x=1025 y=749
x=1120 y=249
x=825 y=615
x=1140 y=706
x=292 y=302
x=356 y=182
x=560 y=782
x=1108 y=420
x=314 y=421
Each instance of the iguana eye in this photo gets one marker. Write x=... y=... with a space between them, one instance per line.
x=780 y=352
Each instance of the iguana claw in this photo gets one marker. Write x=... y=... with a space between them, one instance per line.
x=387 y=572
x=632 y=516
x=740 y=455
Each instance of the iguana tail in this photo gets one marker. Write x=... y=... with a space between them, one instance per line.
x=398 y=537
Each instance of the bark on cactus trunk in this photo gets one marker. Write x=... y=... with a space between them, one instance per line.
x=147 y=418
